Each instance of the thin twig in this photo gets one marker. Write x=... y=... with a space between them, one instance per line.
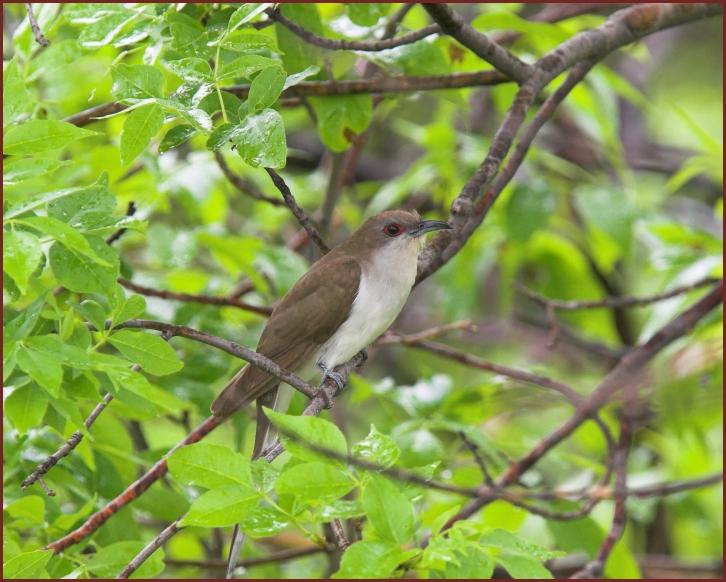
x=393 y=338
x=245 y=186
x=195 y=298
x=628 y=301
x=298 y=212
x=352 y=45
x=130 y=211
x=37 y=33
x=149 y=549
x=281 y=556
x=67 y=447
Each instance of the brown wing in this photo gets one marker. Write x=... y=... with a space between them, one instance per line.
x=301 y=323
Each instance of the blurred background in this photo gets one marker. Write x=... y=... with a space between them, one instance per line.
x=620 y=195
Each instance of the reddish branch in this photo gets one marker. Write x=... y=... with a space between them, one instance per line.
x=133 y=491
x=205 y=299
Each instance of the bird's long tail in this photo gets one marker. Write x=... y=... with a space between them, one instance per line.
x=278 y=399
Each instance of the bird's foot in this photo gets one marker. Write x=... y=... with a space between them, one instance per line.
x=334 y=376
x=362 y=357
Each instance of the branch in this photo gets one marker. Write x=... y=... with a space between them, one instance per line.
x=205 y=299
x=37 y=34
x=130 y=211
x=134 y=490
x=298 y=212
x=620 y=376
x=262 y=362
x=351 y=45
x=67 y=447
x=281 y=556
x=149 y=549
x=393 y=338
x=621 y=28
x=375 y=86
x=480 y=44
x=245 y=186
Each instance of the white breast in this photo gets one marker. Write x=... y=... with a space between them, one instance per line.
x=385 y=284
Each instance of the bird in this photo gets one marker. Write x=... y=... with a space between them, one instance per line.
x=340 y=306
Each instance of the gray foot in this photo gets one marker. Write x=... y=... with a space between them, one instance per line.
x=334 y=376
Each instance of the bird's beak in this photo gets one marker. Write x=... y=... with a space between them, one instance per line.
x=429 y=226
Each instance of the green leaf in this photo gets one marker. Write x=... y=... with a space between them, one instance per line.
x=471 y=562
x=261 y=140
x=131 y=385
x=369 y=559
x=68 y=237
x=25 y=407
x=509 y=542
x=191 y=69
x=263 y=521
x=300 y=77
x=365 y=14
x=93 y=312
x=389 y=511
x=28 y=565
x=88 y=208
x=140 y=126
x=30 y=508
x=109 y=561
x=22 y=254
x=340 y=116
x=176 y=136
x=377 y=448
x=42 y=135
x=265 y=88
x=314 y=482
x=295 y=431
x=244 y=14
x=19 y=169
x=248 y=41
x=42 y=367
x=15 y=96
x=529 y=209
x=520 y=566
x=415 y=59
x=151 y=352
x=137 y=82
x=76 y=273
x=134 y=306
x=222 y=506
x=245 y=66
x=209 y=466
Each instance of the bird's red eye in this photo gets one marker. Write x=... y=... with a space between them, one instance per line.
x=393 y=229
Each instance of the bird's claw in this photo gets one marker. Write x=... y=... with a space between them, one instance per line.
x=362 y=356
x=335 y=377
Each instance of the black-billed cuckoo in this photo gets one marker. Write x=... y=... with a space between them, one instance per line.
x=340 y=306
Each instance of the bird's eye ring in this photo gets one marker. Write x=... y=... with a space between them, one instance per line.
x=393 y=229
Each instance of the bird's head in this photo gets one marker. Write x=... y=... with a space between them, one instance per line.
x=395 y=229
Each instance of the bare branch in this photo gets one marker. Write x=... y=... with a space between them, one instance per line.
x=298 y=212
x=37 y=33
x=558 y=304
x=351 y=45
x=205 y=299
x=393 y=338
x=480 y=44
x=67 y=447
x=149 y=549
x=245 y=186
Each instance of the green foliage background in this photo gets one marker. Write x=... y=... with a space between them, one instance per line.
x=562 y=227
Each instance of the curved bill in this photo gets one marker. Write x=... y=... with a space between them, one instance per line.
x=429 y=226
